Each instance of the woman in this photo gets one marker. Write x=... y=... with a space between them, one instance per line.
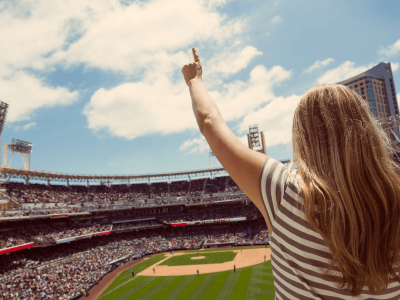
x=335 y=221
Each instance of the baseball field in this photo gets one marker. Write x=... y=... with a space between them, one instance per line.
x=207 y=274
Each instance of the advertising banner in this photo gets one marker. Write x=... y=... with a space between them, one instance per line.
x=216 y=221
x=238 y=219
x=104 y=232
x=65 y=240
x=179 y=224
x=16 y=248
x=59 y=216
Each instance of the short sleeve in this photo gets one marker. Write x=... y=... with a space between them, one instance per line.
x=273 y=182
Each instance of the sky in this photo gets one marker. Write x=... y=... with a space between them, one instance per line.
x=96 y=85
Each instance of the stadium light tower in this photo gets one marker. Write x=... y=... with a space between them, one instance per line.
x=18 y=146
x=253 y=139
x=3 y=115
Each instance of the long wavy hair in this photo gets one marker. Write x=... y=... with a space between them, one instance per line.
x=349 y=185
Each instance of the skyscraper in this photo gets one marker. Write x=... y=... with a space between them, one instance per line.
x=376 y=86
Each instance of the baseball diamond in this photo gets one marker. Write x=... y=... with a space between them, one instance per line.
x=216 y=279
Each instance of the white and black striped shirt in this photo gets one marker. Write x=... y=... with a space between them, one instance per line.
x=297 y=252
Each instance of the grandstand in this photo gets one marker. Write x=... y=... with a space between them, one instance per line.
x=84 y=232
x=57 y=240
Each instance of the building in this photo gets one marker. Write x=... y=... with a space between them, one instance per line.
x=376 y=86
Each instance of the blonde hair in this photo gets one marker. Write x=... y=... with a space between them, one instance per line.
x=350 y=186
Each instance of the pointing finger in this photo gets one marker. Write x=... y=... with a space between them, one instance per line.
x=195 y=55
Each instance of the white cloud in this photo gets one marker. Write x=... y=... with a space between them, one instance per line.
x=319 y=64
x=395 y=66
x=275 y=120
x=343 y=72
x=232 y=62
x=197 y=144
x=134 y=38
x=151 y=42
x=392 y=50
x=142 y=108
x=130 y=110
x=141 y=37
x=276 y=20
x=25 y=127
x=26 y=93
x=29 y=31
x=242 y=100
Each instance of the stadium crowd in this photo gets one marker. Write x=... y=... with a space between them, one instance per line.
x=7 y=241
x=65 y=271
x=53 y=233
x=98 y=194
x=248 y=212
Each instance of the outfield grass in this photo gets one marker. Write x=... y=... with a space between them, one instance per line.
x=126 y=275
x=221 y=249
x=210 y=258
x=254 y=282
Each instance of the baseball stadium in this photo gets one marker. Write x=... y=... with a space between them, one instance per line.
x=188 y=235
x=179 y=239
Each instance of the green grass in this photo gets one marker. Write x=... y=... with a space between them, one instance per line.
x=254 y=282
x=210 y=258
x=126 y=275
x=221 y=249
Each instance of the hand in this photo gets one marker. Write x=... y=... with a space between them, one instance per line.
x=192 y=70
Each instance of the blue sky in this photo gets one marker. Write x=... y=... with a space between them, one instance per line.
x=96 y=85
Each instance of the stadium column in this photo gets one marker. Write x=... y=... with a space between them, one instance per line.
x=67 y=182
x=87 y=182
x=48 y=181
x=27 y=180
x=190 y=183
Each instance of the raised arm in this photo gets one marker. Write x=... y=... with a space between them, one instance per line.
x=242 y=164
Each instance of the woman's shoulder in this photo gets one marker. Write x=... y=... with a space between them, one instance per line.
x=294 y=180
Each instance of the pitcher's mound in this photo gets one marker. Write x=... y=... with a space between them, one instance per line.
x=198 y=257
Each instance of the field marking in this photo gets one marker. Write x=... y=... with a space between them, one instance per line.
x=117 y=287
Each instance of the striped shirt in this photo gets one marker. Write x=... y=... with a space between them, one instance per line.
x=297 y=252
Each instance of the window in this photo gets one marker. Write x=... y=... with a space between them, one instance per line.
x=358 y=91
x=356 y=85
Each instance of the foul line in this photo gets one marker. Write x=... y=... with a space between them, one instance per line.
x=116 y=288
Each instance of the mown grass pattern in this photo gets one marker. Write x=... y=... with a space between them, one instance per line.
x=126 y=275
x=254 y=282
x=191 y=288
x=219 y=249
x=210 y=258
